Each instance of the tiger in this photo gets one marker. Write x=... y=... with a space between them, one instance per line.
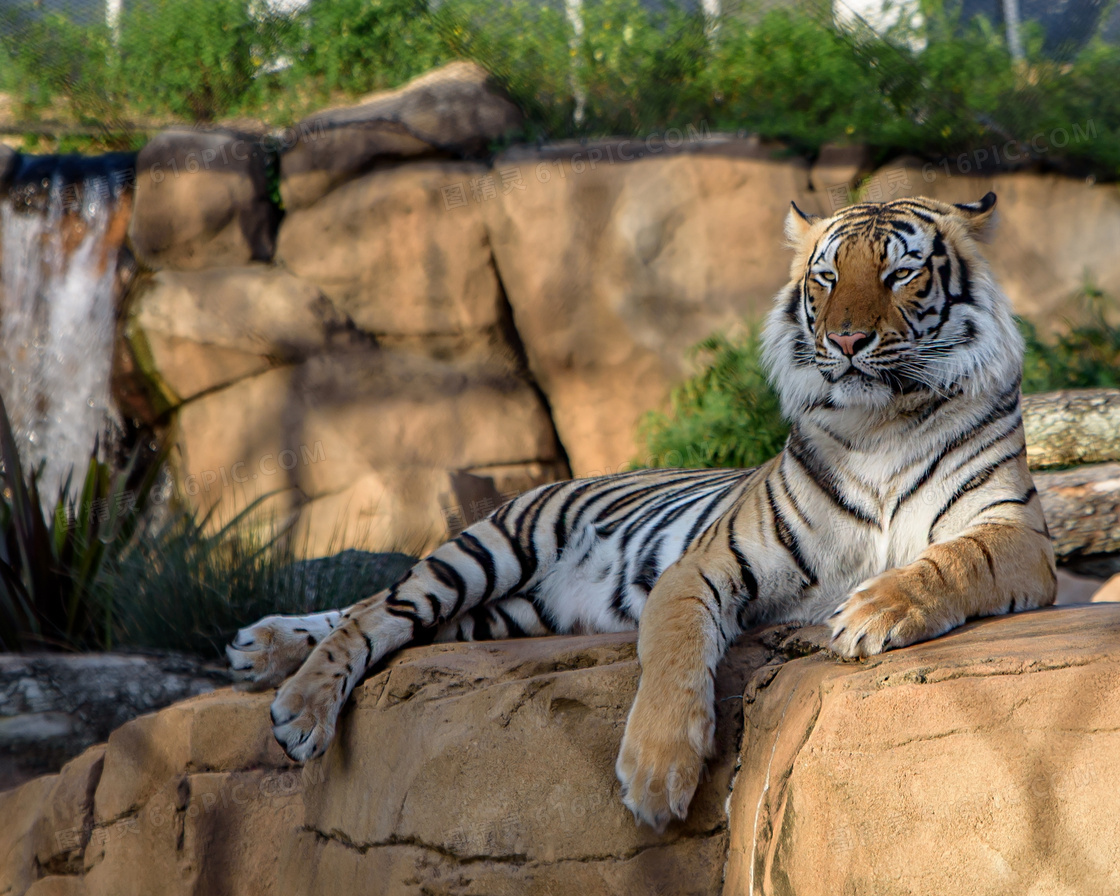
x=900 y=506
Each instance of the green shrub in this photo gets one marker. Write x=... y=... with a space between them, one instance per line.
x=1084 y=355
x=181 y=586
x=727 y=415
x=195 y=59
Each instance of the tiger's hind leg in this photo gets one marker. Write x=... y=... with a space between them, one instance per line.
x=263 y=654
x=465 y=589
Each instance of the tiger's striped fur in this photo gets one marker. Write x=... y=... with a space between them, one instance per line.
x=900 y=507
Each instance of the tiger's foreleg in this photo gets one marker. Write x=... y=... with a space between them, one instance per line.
x=691 y=617
x=1003 y=562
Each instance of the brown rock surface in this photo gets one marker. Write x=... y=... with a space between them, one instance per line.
x=362 y=443
x=193 y=331
x=451 y=111
x=198 y=800
x=202 y=201
x=978 y=763
x=389 y=252
x=615 y=268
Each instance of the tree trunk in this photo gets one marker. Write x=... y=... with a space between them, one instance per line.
x=1082 y=510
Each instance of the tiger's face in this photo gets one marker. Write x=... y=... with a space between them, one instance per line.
x=888 y=300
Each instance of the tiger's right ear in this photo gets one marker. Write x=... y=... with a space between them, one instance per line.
x=798 y=224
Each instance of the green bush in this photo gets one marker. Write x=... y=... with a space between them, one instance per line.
x=195 y=59
x=727 y=415
x=1084 y=355
x=181 y=585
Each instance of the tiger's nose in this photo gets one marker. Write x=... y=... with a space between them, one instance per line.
x=849 y=343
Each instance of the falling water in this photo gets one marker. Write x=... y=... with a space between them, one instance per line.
x=57 y=320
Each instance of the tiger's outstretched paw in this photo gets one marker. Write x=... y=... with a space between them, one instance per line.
x=304 y=714
x=661 y=758
x=885 y=613
x=262 y=655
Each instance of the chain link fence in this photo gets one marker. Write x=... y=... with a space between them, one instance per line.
x=932 y=77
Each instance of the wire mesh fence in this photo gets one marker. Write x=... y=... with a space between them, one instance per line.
x=933 y=77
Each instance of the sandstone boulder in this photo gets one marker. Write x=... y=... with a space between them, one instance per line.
x=202 y=201
x=452 y=111
x=361 y=443
x=390 y=251
x=980 y=762
x=617 y=258
x=976 y=763
x=193 y=331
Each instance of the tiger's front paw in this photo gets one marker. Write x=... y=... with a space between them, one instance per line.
x=887 y=612
x=304 y=715
x=660 y=760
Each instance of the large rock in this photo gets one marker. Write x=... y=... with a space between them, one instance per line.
x=451 y=111
x=391 y=253
x=616 y=258
x=361 y=444
x=456 y=798
x=982 y=762
x=202 y=200
x=191 y=332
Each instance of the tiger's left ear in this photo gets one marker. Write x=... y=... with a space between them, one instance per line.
x=798 y=224
x=978 y=215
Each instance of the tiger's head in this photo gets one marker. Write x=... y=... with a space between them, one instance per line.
x=890 y=300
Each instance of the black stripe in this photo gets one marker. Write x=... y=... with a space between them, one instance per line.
x=478 y=552
x=788 y=538
x=708 y=610
x=513 y=629
x=801 y=452
x=977 y=480
x=713 y=589
x=449 y=577
x=437 y=609
x=746 y=575
x=1000 y=411
x=481 y=630
x=1026 y=499
x=984 y=550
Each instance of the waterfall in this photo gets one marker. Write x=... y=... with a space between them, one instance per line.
x=59 y=243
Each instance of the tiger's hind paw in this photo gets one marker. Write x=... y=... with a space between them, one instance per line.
x=304 y=715
x=262 y=655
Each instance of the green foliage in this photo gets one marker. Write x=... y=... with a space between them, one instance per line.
x=357 y=46
x=192 y=58
x=727 y=415
x=782 y=71
x=1085 y=355
x=49 y=567
x=102 y=573
x=184 y=585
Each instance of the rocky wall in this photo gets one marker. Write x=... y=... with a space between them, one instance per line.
x=424 y=309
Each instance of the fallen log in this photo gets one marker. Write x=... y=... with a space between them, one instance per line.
x=1073 y=426
x=1082 y=510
